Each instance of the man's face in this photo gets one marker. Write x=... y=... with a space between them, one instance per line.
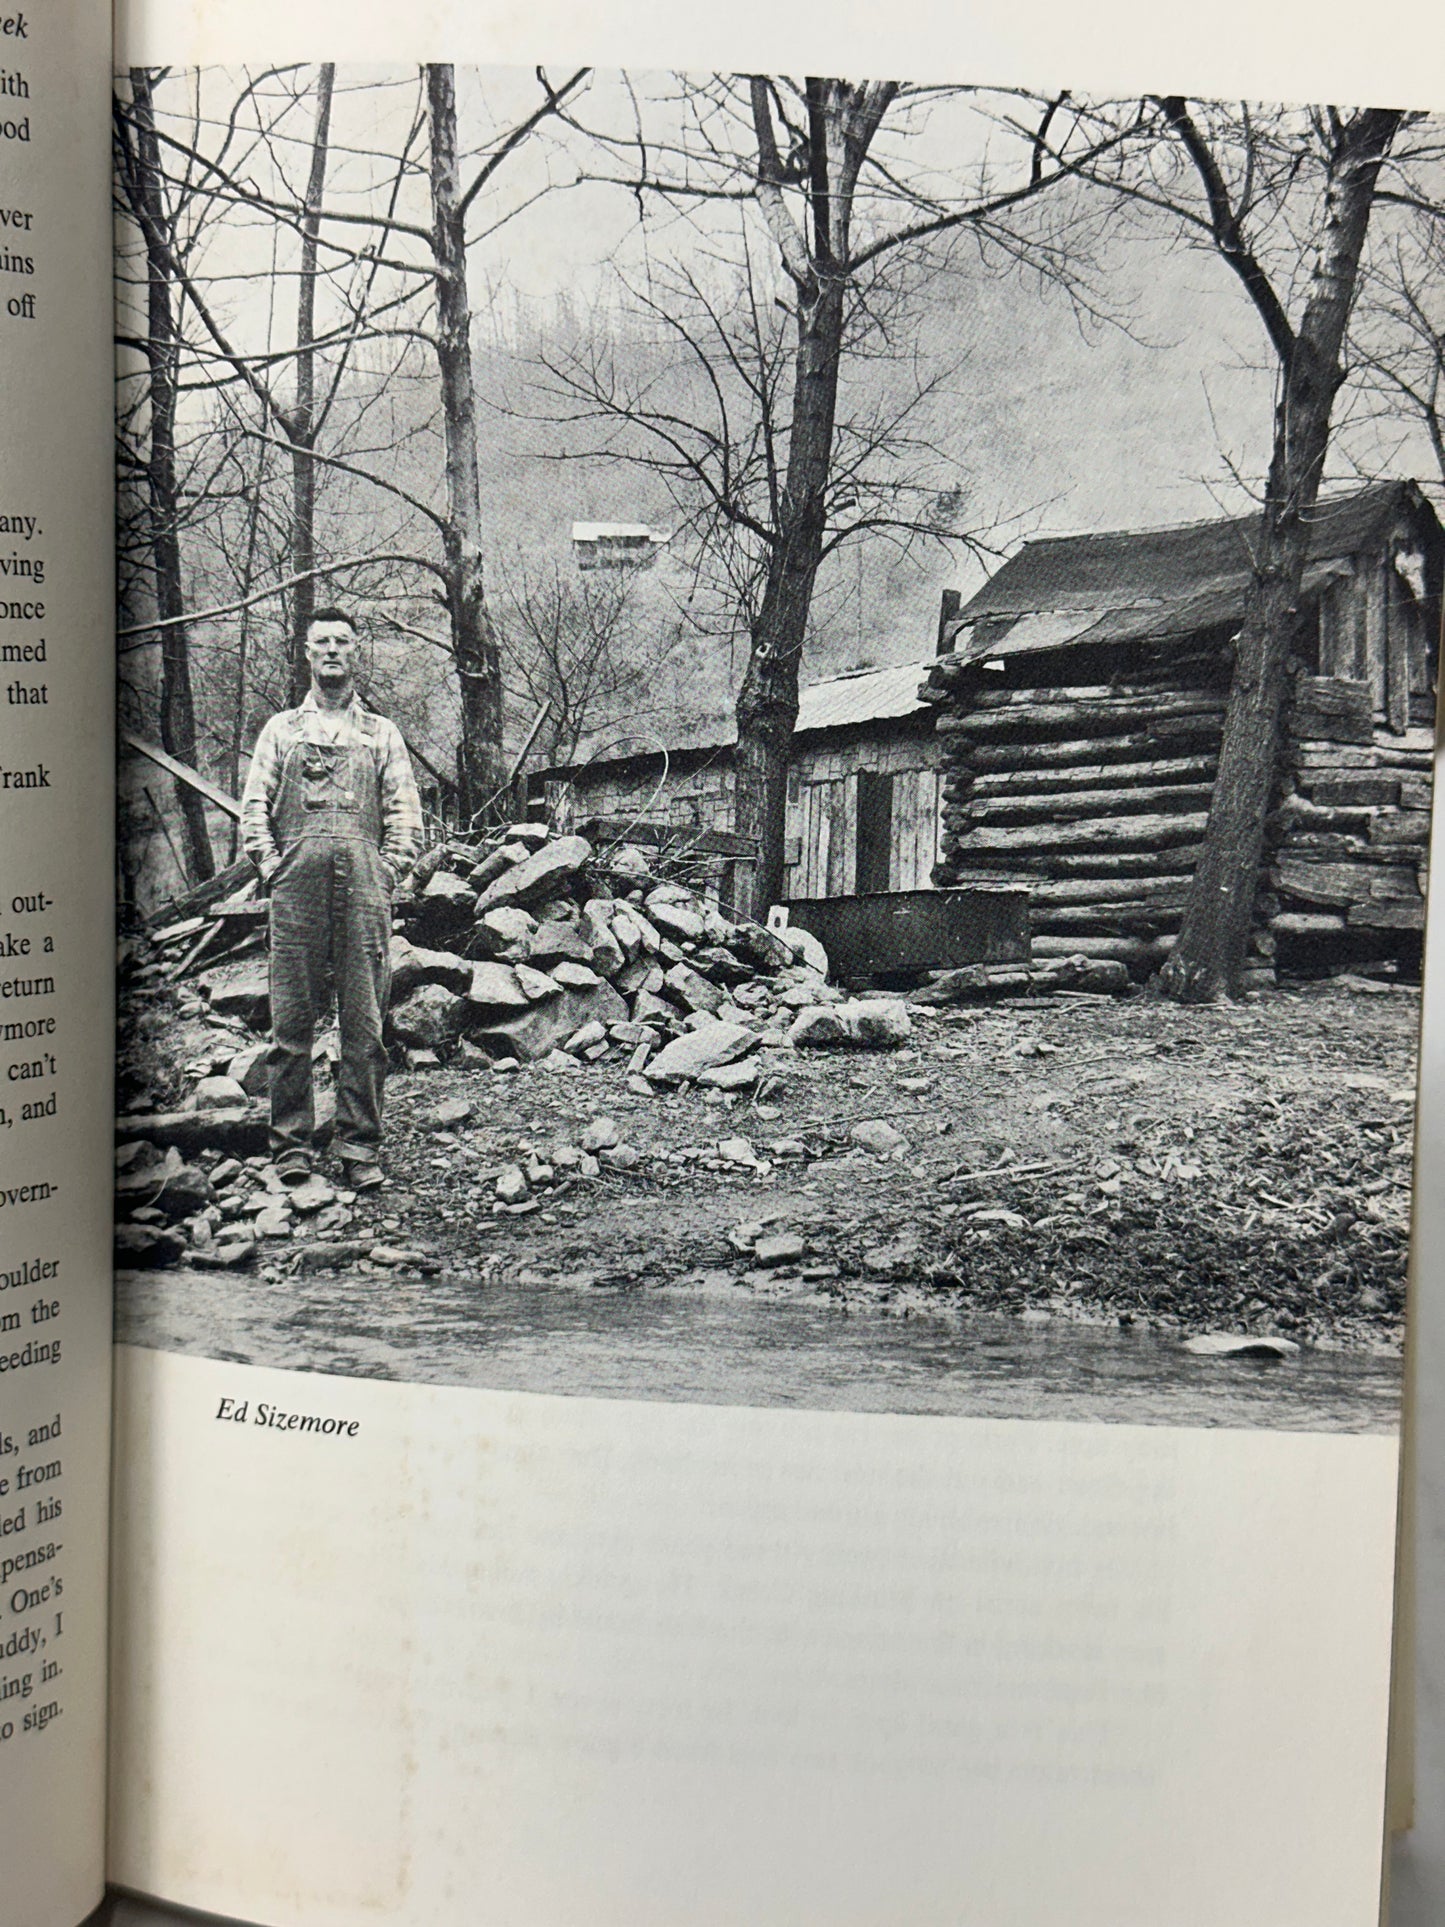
x=331 y=651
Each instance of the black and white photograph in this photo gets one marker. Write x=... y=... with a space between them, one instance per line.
x=776 y=737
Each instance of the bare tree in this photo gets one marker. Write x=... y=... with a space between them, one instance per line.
x=142 y=182
x=1285 y=199
x=580 y=651
x=299 y=422
x=391 y=275
x=845 y=213
x=1398 y=342
x=481 y=771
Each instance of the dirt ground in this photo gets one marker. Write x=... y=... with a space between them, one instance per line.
x=1244 y=1168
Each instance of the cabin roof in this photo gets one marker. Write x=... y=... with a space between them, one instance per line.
x=1135 y=585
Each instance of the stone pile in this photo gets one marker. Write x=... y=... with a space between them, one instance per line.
x=539 y=949
x=532 y=950
x=220 y=1213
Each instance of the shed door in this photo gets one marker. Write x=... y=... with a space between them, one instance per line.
x=828 y=825
x=875 y=830
x=914 y=843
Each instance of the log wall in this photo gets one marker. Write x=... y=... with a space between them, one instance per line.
x=1097 y=794
x=1350 y=848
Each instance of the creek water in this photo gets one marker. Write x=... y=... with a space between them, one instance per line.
x=731 y=1347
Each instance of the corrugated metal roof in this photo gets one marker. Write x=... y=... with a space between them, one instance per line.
x=862 y=696
x=1133 y=584
x=841 y=702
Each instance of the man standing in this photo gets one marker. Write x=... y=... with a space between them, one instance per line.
x=331 y=818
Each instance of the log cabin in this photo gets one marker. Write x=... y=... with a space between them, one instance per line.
x=1080 y=698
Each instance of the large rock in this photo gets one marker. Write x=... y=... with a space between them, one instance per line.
x=878 y=1023
x=431 y=1018
x=715 y=926
x=700 y=1050
x=544 y=1027
x=677 y=919
x=819 y=1026
x=248 y=1068
x=411 y=967
x=538 y=876
x=147 y=1246
x=494 y=986
x=634 y=932
x=174 y=1187
x=594 y=919
x=575 y=976
x=759 y=947
x=536 y=984
x=595 y=925
x=445 y=906
x=553 y=943
x=629 y=862
x=217 y=1094
x=238 y=990
x=737 y=1076
x=491 y=866
x=693 y=990
x=806 y=948
x=505 y=935
x=649 y=1008
x=641 y=974
x=721 y=965
x=864 y=1023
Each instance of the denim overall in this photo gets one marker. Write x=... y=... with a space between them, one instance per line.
x=330 y=932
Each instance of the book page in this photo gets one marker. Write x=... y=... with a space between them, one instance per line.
x=715 y=1322
x=56 y=780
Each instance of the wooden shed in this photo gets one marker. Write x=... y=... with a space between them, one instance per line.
x=1081 y=697
x=863 y=787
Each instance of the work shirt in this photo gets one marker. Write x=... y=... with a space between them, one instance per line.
x=351 y=728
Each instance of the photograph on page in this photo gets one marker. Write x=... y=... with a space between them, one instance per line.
x=776 y=737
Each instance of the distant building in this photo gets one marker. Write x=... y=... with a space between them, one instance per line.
x=616 y=545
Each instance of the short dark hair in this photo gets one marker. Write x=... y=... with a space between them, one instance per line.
x=329 y=614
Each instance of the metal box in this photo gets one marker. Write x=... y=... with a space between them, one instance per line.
x=907 y=932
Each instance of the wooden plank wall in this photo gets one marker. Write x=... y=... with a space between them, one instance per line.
x=916 y=801
x=827 y=818
x=702 y=796
x=823 y=800
x=823 y=812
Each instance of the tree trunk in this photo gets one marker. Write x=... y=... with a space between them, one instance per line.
x=234 y=777
x=1210 y=953
x=767 y=705
x=481 y=766
x=301 y=422
x=177 y=705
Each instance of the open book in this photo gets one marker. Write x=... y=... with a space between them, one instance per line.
x=741 y=1251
